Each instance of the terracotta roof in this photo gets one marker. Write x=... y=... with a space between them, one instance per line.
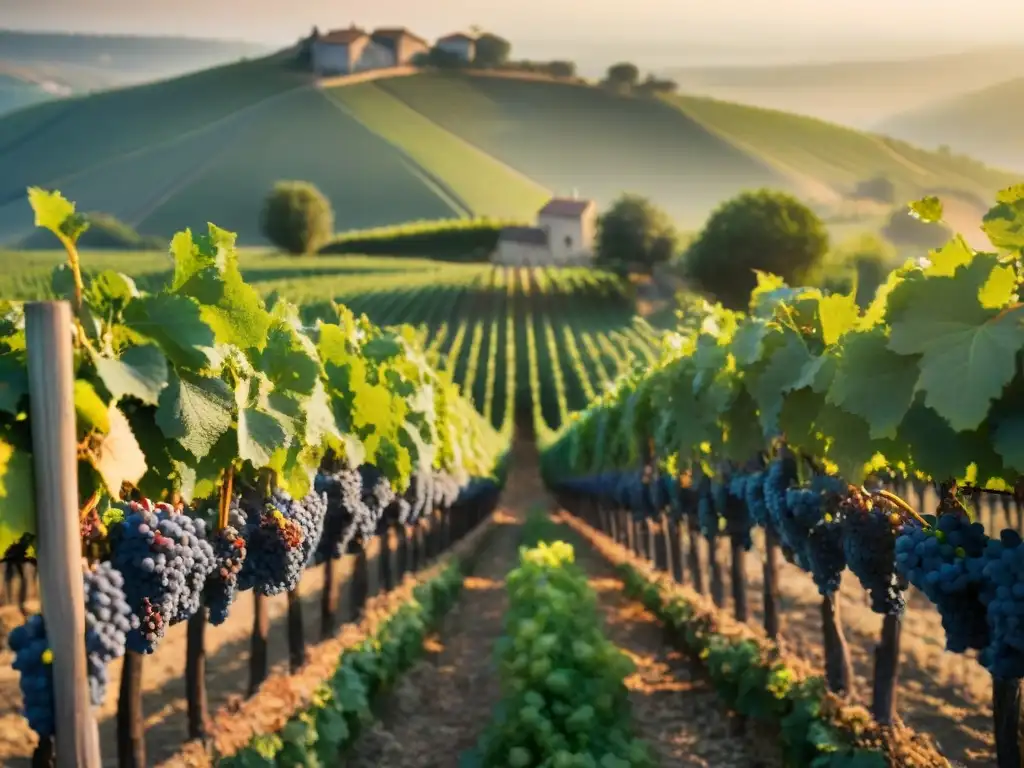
x=525 y=235
x=564 y=207
x=456 y=36
x=342 y=36
x=393 y=33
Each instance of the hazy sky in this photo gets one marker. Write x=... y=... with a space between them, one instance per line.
x=762 y=23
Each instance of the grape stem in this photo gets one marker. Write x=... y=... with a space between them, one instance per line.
x=892 y=498
x=226 y=492
x=969 y=489
x=90 y=505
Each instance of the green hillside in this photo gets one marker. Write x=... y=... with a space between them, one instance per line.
x=985 y=123
x=209 y=146
x=570 y=137
x=858 y=93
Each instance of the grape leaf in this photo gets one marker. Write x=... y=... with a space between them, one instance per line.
x=17 y=495
x=50 y=208
x=118 y=458
x=233 y=310
x=946 y=260
x=1008 y=440
x=91 y=411
x=261 y=431
x=176 y=324
x=1004 y=223
x=748 y=342
x=938 y=450
x=777 y=375
x=837 y=315
x=13 y=383
x=873 y=382
x=140 y=372
x=968 y=352
x=195 y=410
x=927 y=209
x=290 y=361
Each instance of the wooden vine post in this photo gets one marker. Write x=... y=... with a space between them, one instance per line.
x=675 y=548
x=770 y=584
x=329 y=600
x=385 y=575
x=54 y=448
x=296 y=636
x=259 y=660
x=887 y=661
x=838 y=666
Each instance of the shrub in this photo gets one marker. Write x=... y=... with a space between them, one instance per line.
x=765 y=230
x=105 y=233
x=449 y=240
x=879 y=188
x=635 y=231
x=491 y=51
x=623 y=74
x=904 y=230
x=296 y=217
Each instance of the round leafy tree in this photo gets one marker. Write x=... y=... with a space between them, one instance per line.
x=635 y=231
x=296 y=217
x=764 y=230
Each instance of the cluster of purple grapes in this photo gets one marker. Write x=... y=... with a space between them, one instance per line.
x=419 y=495
x=707 y=514
x=739 y=523
x=229 y=552
x=869 y=541
x=936 y=561
x=108 y=620
x=377 y=495
x=344 y=492
x=165 y=560
x=281 y=539
x=780 y=476
x=1002 y=566
x=753 y=495
x=33 y=658
x=446 y=490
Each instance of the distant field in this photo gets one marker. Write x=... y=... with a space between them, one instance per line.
x=209 y=146
x=985 y=123
x=857 y=93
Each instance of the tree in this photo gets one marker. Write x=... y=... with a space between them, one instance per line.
x=491 y=51
x=635 y=231
x=623 y=74
x=562 y=68
x=296 y=217
x=902 y=229
x=879 y=188
x=763 y=230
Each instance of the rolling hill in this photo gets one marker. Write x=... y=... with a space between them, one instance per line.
x=208 y=146
x=37 y=66
x=856 y=93
x=985 y=123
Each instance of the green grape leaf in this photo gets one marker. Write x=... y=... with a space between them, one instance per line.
x=51 y=209
x=289 y=360
x=195 y=410
x=118 y=458
x=261 y=430
x=851 y=447
x=214 y=251
x=945 y=261
x=382 y=348
x=777 y=376
x=938 y=449
x=968 y=353
x=176 y=324
x=140 y=372
x=91 y=411
x=927 y=209
x=837 y=315
x=873 y=382
x=748 y=342
x=1008 y=440
x=13 y=383
x=235 y=312
x=17 y=495
x=798 y=421
x=743 y=437
x=1004 y=223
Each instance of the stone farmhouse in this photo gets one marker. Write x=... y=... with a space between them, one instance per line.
x=346 y=51
x=564 y=235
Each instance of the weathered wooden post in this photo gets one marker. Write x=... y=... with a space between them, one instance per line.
x=55 y=453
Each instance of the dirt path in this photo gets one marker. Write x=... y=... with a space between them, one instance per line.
x=679 y=715
x=440 y=706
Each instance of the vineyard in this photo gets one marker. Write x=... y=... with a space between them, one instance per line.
x=270 y=510
x=802 y=424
